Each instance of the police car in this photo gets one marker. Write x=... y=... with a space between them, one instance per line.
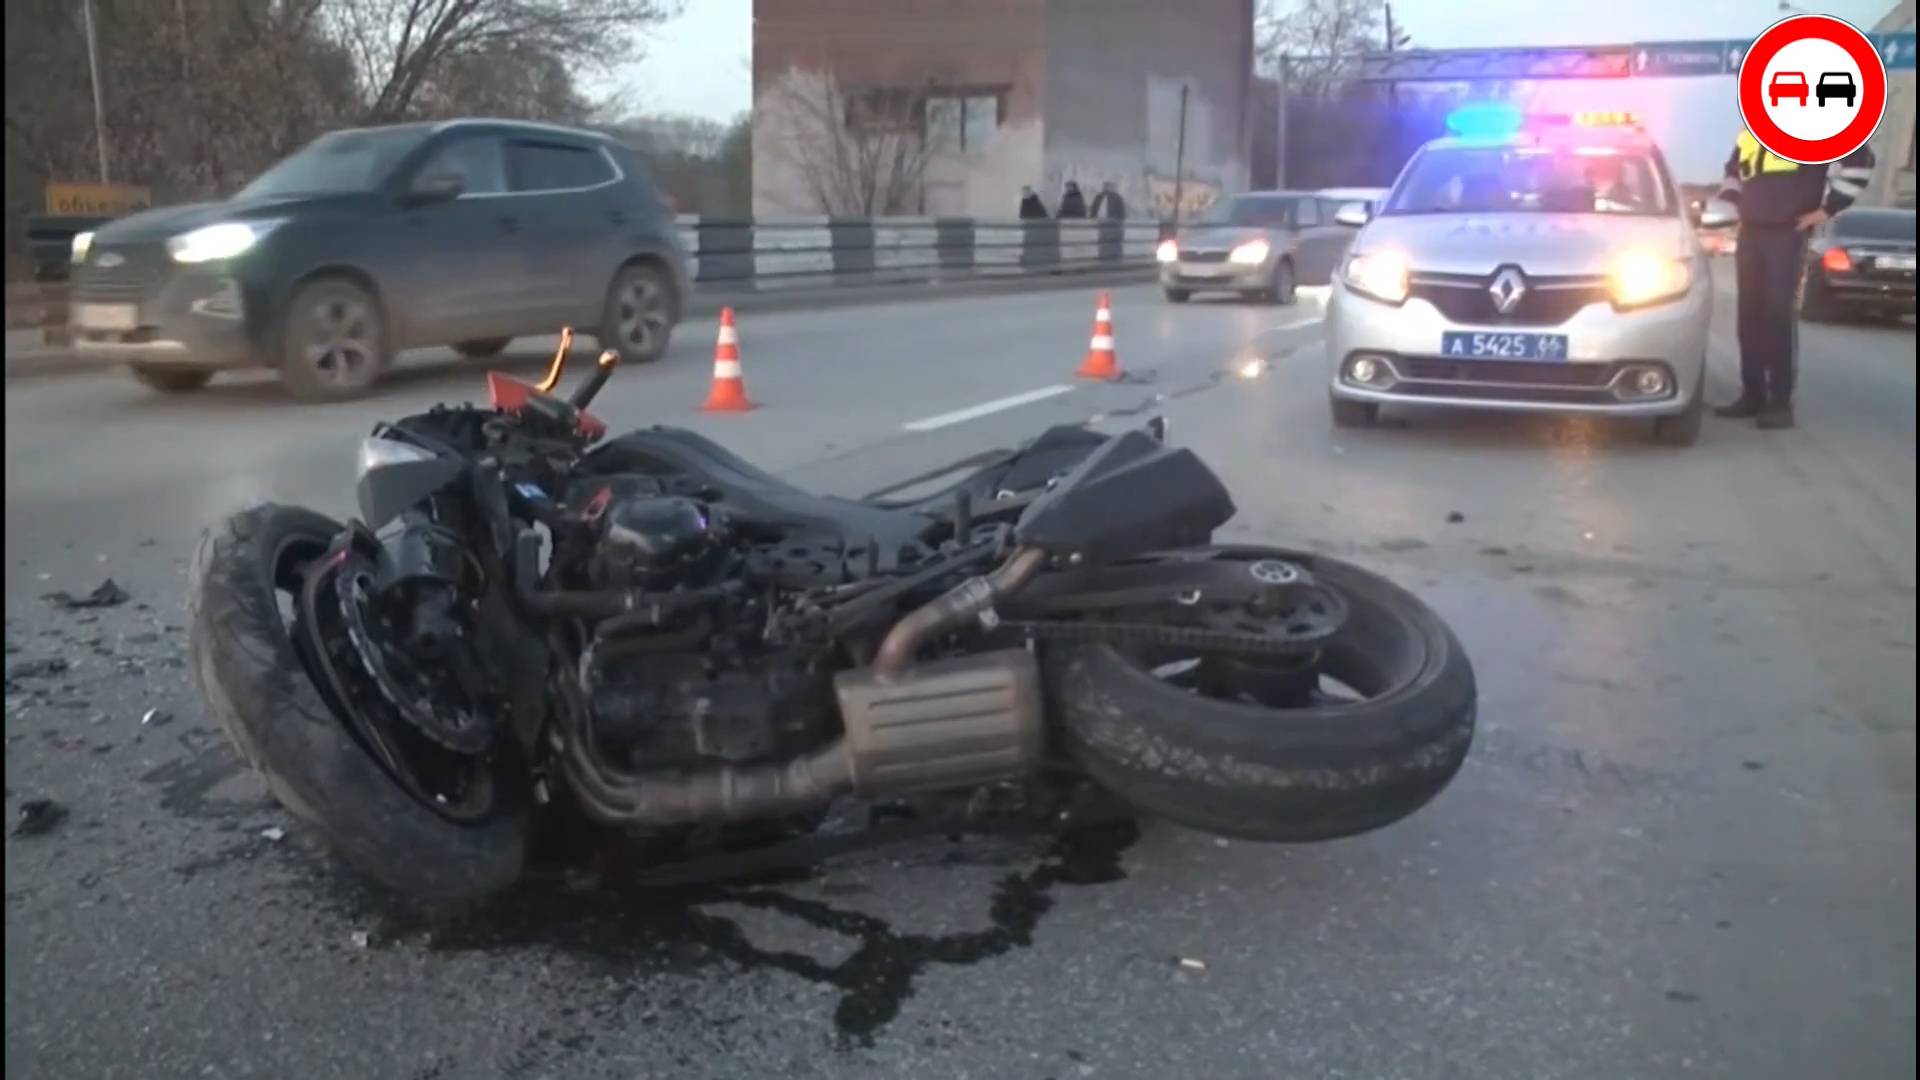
x=1538 y=264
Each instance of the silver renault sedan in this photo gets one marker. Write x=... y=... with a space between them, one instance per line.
x=1550 y=268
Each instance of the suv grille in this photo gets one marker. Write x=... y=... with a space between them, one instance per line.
x=1548 y=301
x=141 y=269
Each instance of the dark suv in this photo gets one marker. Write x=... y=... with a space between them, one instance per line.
x=466 y=233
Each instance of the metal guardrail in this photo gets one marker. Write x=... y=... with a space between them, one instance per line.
x=741 y=254
x=855 y=251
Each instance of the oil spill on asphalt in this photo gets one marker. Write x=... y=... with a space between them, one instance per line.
x=622 y=931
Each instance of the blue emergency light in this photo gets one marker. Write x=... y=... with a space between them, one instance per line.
x=1485 y=120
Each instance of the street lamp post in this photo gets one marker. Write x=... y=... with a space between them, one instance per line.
x=93 y=69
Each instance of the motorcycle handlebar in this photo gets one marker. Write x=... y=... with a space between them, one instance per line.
x=602 y=371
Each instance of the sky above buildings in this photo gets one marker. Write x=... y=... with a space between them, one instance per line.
x=699 y=62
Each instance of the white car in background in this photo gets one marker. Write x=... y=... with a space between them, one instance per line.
x=1368 y=200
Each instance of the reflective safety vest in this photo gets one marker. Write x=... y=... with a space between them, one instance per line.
x=1754 y=159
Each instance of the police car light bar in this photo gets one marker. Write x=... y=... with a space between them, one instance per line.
x=1488 y=119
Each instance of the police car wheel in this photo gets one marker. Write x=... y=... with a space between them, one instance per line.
x=1178 y=296
x=1353 y=414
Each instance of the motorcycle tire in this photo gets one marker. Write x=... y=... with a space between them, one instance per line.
x=257 y=688
x=1328 y=770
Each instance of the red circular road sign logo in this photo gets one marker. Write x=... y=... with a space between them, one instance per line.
x=1812 y=89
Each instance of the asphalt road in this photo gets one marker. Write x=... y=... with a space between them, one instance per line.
x=1683 y=844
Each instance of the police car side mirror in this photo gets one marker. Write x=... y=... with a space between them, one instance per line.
x=1717 y=215
x=1353 y=214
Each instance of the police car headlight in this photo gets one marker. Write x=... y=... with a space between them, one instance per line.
x=1382 y=275
x=1251 y=253
x=81 y=244
x=1639 y=278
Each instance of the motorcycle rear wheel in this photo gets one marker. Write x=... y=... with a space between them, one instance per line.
x=258 y=688
x=1391 y=736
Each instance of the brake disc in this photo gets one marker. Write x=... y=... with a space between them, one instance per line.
x=411 y=691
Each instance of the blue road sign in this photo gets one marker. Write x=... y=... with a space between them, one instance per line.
x=1896 y=50
x=1680 y=58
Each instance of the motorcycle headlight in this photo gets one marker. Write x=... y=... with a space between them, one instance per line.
x=82 y=243
x=1252 y=253
x=1167 y=252
x=1642 y=277
x=377 y=453
x=222 y=241
x=1382 y=275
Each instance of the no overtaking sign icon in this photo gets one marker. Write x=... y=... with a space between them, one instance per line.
x=1812 y=89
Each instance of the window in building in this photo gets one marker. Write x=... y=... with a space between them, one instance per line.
x=962 y=121
x=884 y=109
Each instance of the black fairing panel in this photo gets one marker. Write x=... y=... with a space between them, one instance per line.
x=1133 y=494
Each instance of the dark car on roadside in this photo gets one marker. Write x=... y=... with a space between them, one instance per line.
x=1861 y=263
x=466 y=233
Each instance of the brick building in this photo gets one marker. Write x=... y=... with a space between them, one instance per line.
x=1002 y=93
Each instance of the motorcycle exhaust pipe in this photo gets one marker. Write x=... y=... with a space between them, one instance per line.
x=969 y=599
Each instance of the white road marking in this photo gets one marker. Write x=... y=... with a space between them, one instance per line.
x=985 y=408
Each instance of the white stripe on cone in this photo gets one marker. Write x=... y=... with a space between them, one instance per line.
x=1101 y=342
x=726 y=369
x=1103 y=315
x=728 y=336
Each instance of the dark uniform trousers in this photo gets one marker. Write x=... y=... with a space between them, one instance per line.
x=1768 y=263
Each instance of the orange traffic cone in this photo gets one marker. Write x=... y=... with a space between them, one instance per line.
x=729 y=393
x=1101 y=363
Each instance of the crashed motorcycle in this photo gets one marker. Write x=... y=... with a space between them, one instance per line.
x=531 y=621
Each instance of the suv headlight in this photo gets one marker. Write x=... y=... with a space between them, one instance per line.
x=82 y=243
x=1167 y=252
x=1382 y=275
x=1639 y=278
x=1252 y=253
x=222 y=241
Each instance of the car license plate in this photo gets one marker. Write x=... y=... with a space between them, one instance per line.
x=106 y=316
x=1497 y=345
x=1894 y=262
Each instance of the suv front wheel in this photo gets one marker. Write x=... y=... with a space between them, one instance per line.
x=334 y=341
x=639 y=316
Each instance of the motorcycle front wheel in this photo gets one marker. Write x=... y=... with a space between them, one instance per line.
x=1381 y=725
x=242 y=597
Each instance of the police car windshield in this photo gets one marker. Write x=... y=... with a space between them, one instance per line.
x=1531 y=180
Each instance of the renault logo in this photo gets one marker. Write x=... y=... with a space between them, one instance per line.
x=1507 y=289
x=109 y=260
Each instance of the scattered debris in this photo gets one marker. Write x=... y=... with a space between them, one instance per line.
x=107 y=594
x=1195 y=965
x=145 y=638
x=155 y=717
x=1753 y=766
x=37 y=669
x=1455 y=517
x=1523 y=568
x=274 y=833
x=1685 y=997
x=1495 y=551
x=361 y=939
x=39 y=817
x=1219 y=841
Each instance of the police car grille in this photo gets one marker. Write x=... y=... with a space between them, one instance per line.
x=1506 y=372
x=1547 y=301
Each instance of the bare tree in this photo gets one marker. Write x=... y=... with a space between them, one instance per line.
x=1321 y=38
x=403 y=46
x=860 y=153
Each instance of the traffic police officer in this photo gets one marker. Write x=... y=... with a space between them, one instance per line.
x=1780 y=201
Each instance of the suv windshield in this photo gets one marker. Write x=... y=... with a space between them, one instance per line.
x=341 y=162
x=1255 y=210
x=1532 y=179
